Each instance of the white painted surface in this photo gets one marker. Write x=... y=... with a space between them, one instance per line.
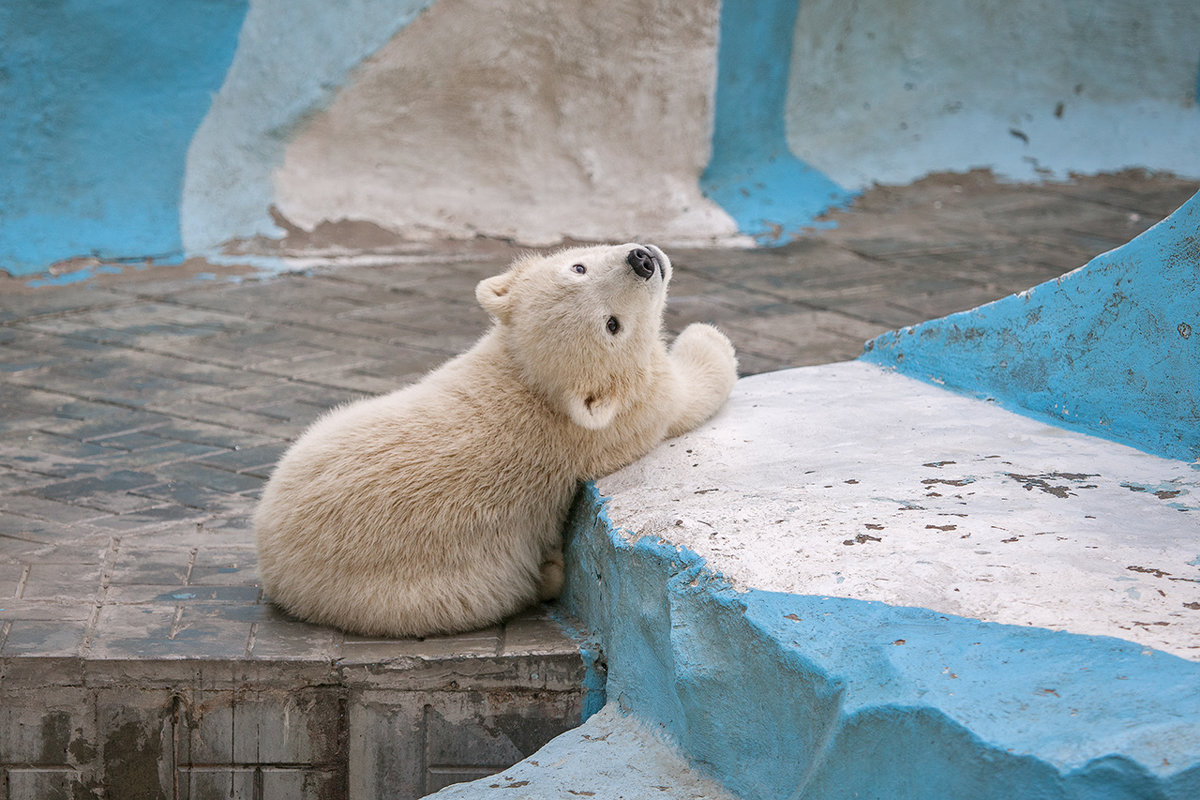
x=531 y=120
x=291 y=55
x=884 y=92
x=846 y=480
x=610 y=756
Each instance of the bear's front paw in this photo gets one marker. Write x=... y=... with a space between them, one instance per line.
x=706 y=370
x=703 y=346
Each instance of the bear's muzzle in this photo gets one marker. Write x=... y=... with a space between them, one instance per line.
x=643 y=262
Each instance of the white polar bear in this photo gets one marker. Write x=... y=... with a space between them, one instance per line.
x=439 y=508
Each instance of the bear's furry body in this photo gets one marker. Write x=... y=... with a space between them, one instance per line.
x=439 y=507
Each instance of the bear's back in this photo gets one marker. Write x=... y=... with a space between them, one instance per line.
x=418 y=468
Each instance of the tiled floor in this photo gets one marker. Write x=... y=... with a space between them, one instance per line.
x=140 y=413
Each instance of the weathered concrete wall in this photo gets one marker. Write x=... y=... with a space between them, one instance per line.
x=530 y=120
x=136 y=132
x=377 y=722
x=100 y=102
x=291 y=59
x=887 y=92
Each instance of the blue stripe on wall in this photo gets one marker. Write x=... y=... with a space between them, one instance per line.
x=1113 y=348
x=752 y=174
x=100 y=100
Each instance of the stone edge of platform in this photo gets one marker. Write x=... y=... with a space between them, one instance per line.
x=772 y=692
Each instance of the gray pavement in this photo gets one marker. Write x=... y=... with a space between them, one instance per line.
x=141 y=412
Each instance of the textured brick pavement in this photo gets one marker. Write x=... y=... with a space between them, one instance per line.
x=140 y=413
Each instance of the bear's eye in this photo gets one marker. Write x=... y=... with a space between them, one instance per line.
x=613 y=325
x=579 y=268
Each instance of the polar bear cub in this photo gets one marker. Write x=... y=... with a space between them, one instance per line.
x=439 y=508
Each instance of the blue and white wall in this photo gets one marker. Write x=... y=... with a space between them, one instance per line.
x=885 y=91
x=135 y=129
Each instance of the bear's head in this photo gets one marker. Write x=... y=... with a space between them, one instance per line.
x=583 y=324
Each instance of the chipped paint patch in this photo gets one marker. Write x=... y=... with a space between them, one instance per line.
x=74 y=276
x=1058 y=484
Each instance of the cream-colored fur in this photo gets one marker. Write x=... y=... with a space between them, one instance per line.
x=439 y=507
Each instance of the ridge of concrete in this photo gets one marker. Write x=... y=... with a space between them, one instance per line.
x=849 y=480
x=789 y=589
x=786 y=695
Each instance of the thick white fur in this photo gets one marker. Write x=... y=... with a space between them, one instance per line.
x=439 y=507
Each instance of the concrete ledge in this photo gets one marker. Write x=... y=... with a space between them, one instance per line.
x=813 y=596
x=849 y=480
x=354 y=717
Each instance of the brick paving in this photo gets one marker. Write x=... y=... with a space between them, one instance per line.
x=140 y=413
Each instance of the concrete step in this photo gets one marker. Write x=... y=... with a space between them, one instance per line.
x=853 y=583
x=310 y=713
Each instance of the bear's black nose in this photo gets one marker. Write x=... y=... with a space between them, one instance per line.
x=643 y=262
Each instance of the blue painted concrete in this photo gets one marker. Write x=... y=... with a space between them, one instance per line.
x=1112 y=348
x=100 y=101
x=595 y=675
x=752 y=174
x=800 y=696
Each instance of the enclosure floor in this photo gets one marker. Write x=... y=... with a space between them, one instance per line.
x=141 y=411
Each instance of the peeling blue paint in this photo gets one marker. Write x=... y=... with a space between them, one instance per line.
x=595 y=674
x=782 y=695
x=595 y=681
x=101 y=101
x=771 y=194
x=75 y=276
x=1112 y=348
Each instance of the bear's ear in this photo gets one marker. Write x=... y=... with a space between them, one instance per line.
x=592 y=411
x=492 y=294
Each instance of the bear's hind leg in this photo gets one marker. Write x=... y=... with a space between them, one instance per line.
x=551 y=582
